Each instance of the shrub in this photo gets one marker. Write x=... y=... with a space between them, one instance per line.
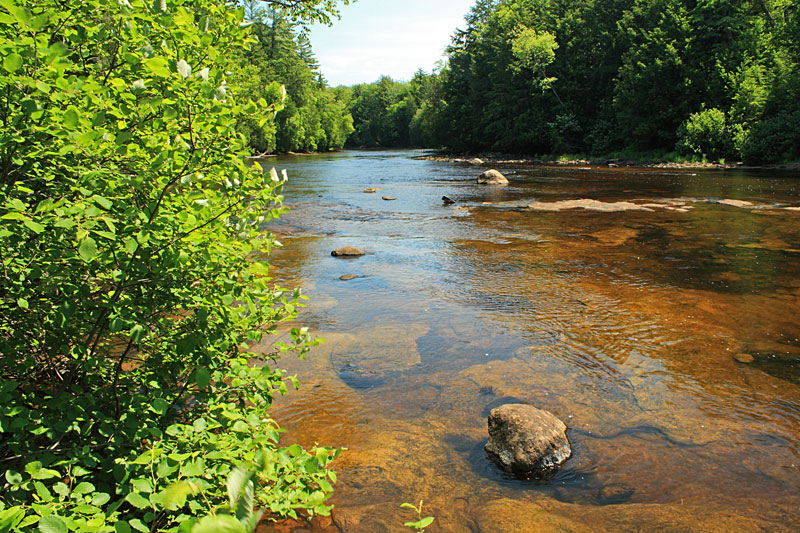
x=706 y=134
x=133 y=273
x=773 y=139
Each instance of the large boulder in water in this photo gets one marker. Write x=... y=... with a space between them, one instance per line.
x=527 y=441
x=492 y=177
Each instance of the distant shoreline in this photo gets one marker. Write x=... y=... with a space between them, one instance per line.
x=485 y=159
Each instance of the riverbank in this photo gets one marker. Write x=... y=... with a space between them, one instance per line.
x=505 y=159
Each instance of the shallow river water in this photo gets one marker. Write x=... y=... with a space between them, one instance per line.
x=622 y=314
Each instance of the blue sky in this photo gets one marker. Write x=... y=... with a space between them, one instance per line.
x=395 y=38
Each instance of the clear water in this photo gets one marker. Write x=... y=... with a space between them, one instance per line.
x=624 y=324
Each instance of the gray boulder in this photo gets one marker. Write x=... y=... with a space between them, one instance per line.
x=527 y=441
x=492 y=177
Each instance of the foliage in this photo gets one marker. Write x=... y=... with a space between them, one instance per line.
x=313 y=118
x=603 y=76
x=134 y=274
x=706 y=134
x=421 y=522
x=534 y=50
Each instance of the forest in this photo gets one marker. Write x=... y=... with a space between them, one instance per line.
x=713 y=79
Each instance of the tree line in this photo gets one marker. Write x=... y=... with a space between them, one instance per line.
x=703 y=78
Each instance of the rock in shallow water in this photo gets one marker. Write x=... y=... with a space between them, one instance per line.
x=492 y=177
x=527 y=441
x=348 y=251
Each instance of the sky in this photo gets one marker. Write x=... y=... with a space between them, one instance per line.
x=386 y=37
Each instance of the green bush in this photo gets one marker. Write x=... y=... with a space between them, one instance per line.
x=774 y=139
x=706 y=134
x=133 y=273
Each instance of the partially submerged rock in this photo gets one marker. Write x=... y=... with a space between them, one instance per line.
x=388 y=198
x=447 y=201
x=589 y=205
x=348 y=277
x=348 y=251
x=492 y=177
x=527 y=441
x=370 y=190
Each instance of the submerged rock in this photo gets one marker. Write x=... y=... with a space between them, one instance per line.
x=348 y=277
x=348 y=251
x=527 y=441
x=744 y=358
x=492 y=177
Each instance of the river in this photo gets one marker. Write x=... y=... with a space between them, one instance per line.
x=627 y=320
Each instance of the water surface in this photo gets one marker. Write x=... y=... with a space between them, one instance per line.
x=624 y=322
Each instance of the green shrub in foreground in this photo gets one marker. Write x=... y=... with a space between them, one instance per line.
x=133 y=274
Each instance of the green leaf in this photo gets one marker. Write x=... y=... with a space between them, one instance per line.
x=137 y=500
x=202 y=377
x=83 y=488
x=22 y=302
x=70 y=118
x=52 y=524
x=137 y=333
x=10 y=518
x=184 y=69
x=174 y=497
x=158 y=66
x=88 y=249
x=425 y=522
x=122 y=527
x=138 y=525
x=14 y=478
x=12 y=62
x=160 y=406
x=33 y=226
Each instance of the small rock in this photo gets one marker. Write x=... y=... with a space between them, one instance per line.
x=448 y=201
x=492 y=177
x=348 y=251
x=370 y=190
x=388 y=198
x=527 y=441
x=744 y=358
x=348 y=277
x=477 y=161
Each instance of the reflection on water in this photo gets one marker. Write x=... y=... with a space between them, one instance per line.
x=622 y=322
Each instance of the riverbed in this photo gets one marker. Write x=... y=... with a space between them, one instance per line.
x=655 y=311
